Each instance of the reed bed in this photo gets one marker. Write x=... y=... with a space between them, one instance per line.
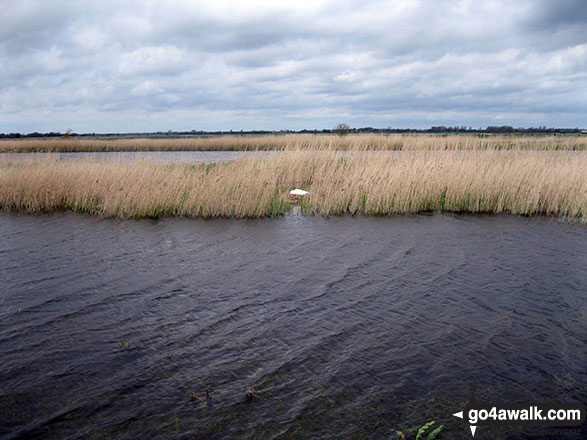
x=296 y=142
x=371 y=183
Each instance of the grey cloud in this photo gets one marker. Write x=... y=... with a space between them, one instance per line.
x=151 y=65
x=548 y=14
x=29 y=25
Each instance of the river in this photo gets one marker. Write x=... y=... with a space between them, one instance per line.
x=348 y=327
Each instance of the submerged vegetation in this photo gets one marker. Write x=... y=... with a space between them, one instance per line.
x=351 y=182
x=432 y=435
x=295 y=142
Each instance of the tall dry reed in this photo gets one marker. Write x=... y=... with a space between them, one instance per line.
x=373 y=183
x=297 y=141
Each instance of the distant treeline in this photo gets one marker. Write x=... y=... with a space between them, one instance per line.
x=503 y=129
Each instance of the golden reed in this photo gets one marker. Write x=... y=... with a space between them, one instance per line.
x=354 y=182
x=296 y=142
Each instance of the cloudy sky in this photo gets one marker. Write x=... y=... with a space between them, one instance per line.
x=124 y=66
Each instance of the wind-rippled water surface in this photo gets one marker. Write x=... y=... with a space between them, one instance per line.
x=345 y=327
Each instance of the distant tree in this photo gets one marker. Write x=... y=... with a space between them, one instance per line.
x=500 y=129
x=341 y=129
x=67 y=133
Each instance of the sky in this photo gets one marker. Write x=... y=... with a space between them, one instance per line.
x=141 y=66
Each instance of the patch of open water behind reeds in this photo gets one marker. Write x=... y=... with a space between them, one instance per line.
x=159 y=156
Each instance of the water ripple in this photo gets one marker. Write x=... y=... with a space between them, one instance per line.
x=345 y=327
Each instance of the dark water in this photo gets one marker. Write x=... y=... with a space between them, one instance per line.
x=163 y=156
x=345 y=327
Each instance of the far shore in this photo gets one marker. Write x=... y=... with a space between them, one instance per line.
x=376 y=142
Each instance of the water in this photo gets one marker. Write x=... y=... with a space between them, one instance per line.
x=195 y=157
x=345 y=327
x=162 y=156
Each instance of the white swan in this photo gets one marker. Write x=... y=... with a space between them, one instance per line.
x=298 y=192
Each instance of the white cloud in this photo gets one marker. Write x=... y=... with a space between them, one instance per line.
x=146 y=88
x=346 y=76
x=152 y=60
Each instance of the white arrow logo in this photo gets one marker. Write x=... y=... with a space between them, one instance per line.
x=460 y=416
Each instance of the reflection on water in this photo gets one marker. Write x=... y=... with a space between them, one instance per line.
x=345 y=327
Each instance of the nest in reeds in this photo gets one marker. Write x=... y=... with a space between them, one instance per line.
x=293 y=199
x=295 y=196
